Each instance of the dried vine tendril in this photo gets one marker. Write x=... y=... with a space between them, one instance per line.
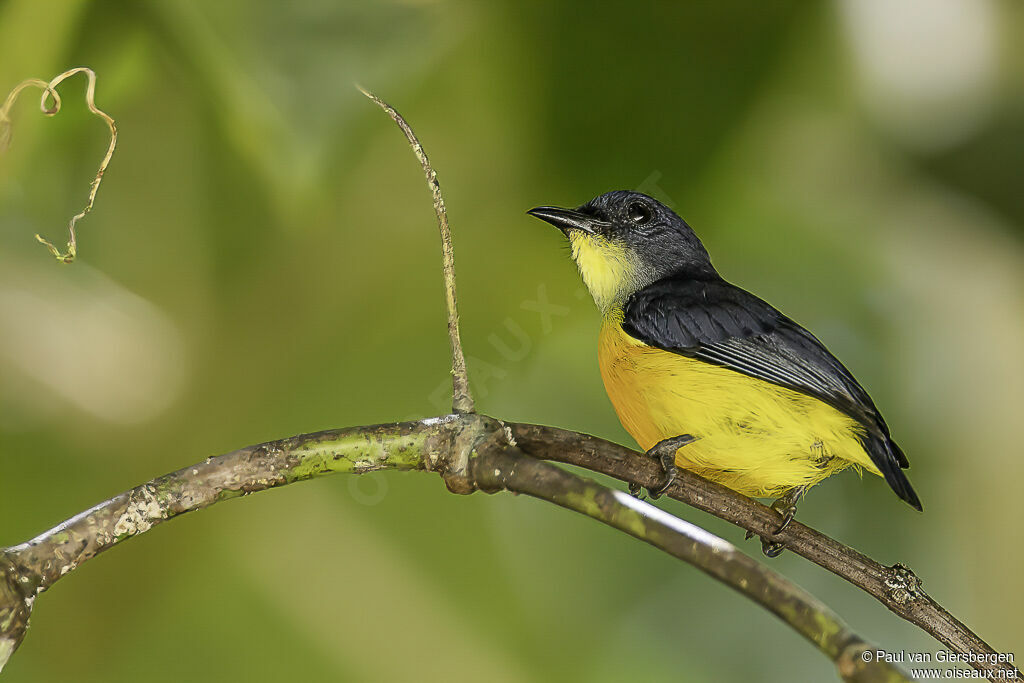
x=49 y=104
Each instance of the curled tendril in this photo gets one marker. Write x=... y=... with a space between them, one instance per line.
x=49 y=104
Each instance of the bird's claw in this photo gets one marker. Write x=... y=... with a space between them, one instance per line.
x=665 y=453
x=788 y=512
x=670 y=476
x=785 y=506
x=769 y=548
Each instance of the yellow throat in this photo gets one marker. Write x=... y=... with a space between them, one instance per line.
x=611 y=272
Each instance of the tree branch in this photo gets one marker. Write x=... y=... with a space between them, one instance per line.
x=472 y=452
x=43 y=560
x=509 y=470
x=28 y=569
x=896 y=587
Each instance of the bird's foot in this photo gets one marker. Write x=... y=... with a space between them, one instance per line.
x=785 y=506
x=665 y=453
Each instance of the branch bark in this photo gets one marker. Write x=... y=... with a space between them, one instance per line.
x=471 y=452
x=28 y=569
x=40 y=562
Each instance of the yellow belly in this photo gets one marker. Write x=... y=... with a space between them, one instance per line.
x=752 y=436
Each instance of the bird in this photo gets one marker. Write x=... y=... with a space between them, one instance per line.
x=709 y=377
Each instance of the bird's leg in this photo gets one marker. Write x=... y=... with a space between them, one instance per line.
x=785 y=506
x=665 y=452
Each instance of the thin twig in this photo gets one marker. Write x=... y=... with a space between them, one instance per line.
x=50 y=92
x=462 y=399
x=510 y=470
x=896 y=587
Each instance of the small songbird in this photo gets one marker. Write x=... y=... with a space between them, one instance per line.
x=709 y=377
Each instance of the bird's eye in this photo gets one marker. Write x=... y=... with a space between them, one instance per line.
x=638 y=213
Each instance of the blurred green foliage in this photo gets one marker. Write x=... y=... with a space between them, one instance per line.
x=262 y=261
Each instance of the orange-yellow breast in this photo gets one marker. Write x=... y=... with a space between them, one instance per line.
x=752 y=436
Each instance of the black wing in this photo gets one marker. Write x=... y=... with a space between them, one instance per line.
x=719 y=323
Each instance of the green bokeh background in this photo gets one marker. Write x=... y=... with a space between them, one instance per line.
x=262 y=261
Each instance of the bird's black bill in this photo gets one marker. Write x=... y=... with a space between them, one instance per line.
x=565 y=219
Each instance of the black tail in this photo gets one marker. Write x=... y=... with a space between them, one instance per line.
x=891 y=461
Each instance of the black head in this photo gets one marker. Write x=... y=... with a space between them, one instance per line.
x=662 y=243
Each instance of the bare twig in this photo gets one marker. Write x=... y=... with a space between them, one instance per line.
x=896 y=587
x=462 y=399
x=472 y=447
x=50 y=92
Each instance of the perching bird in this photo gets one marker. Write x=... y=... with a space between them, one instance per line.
x=709 y=377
